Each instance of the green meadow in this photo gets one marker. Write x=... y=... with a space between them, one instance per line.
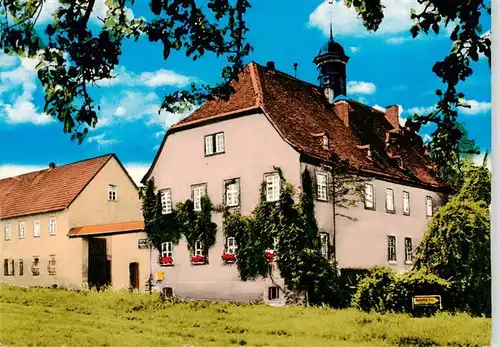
x=46 y=317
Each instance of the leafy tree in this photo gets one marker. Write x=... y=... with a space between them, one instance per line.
x=73 y=57
x=457 y=248
x=468 y=41
x=477 y=184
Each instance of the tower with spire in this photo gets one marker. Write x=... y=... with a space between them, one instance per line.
x=331 y=63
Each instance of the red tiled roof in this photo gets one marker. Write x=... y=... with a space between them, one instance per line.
x=299 y=112
x=49 y=189
x=111 y=228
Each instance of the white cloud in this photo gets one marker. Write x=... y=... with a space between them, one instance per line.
x=476 y=107
x=101 y=140
x=402 y=121
x=20 y=109
x=134 y=105
x=397 y=40
x=379 y=108
x=99 y=11
x=347 y=23
x=360 y=87
x=478 y=160
x=427 y=138
x=10 y=170
x=421 y=110
x=152 y=79
x=137 y=171
x=7 y=61
x=354 y=49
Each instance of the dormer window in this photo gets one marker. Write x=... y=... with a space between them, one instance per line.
x=326 y=142
x=368 y=151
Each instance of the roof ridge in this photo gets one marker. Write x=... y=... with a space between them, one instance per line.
x=257 y=87
x=58 y=166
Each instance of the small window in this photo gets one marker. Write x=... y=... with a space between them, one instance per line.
x=272 y=187
x=324 y=242
x=22 y=230
x=6 y=232
x=406 y=203
x=51 y=267
x=36 y=228
x=429 y=206
x=8 y=267
x=321 y=186
x=197 y=192
x=167 y=249
x=326 y=142
x=21 y=267
x=408 y=250
x=214 y=144
x=198 y=248
x=52 y=226
x=112 y=196
x=231 y=245
x=232 y=193
x=35 y=266
x=389 y=200
x=369 y=197
x=166 y=201
x=274 y=293
x=391 y=248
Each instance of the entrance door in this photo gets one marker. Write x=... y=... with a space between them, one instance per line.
x=99 y=269
x=133 y=269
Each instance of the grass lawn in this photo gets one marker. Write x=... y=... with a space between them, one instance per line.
x=45 y=317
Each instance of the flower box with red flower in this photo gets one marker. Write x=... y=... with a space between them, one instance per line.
x=198 y=260
x=166 y=261
x=269 y=255
x=228 y=258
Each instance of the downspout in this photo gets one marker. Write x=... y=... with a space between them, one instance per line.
x=334 y=231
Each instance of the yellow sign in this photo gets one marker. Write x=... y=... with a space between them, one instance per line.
x=160 y=276
x=426 y=300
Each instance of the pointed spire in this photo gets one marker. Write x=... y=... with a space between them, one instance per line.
x=331 y=31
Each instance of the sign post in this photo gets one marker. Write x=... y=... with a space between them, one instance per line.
x=427 y=301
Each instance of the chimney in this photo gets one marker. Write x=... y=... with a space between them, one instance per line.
x=392 y=115
x=270 y=65
x=342 y=111
x=52 y=165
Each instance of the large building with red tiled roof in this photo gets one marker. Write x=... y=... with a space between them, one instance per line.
x=72 y=225
x=226 y=148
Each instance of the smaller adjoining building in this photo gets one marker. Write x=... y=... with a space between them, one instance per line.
x=74 y=226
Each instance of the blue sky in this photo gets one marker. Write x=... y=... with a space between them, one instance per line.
x=385 y=68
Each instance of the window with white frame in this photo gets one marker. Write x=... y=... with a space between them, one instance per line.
x=389 y=200
x=408 y=250
x=233 y=192
x=8 y=267
x=324 y=243
x=35 y=266
x=197 y=193
x=428 y=206
x=274 y=293
x=166 y=201
x=51 y=267
x=272 y=187
x=198 y=248
x=214 y=144
x=52 y=226
x=231 y=245
x=406 y=203
x=6 y=232
x=369 y=196
x=325 y=142
x=321 y=186
x=22 y=230
x=391 y=248
x=112 y=196
x=167 y=249
x=36 y=228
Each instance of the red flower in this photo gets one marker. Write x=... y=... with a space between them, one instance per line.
x=228 y=257
x=197 y=259
x=166 y=260
x=269 y=256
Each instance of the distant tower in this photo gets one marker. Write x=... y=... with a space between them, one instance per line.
x=331 y=63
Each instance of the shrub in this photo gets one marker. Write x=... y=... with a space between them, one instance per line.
x=382 y=290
